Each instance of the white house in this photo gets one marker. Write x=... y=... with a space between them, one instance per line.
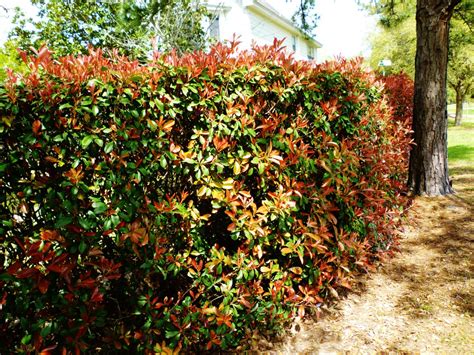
x=256 y=20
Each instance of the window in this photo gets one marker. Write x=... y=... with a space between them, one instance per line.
x=293 y=43
x=310 y=52
x=214 y=27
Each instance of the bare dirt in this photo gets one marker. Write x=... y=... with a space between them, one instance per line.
x=421 y=301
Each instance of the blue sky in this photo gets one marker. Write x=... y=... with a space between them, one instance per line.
x=342 y=28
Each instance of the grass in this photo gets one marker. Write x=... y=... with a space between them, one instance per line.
x=461 y=142
x=461 y=154
x=468 y=109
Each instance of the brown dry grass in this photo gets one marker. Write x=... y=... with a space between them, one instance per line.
x=421 y=301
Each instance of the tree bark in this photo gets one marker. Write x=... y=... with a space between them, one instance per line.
x=428 y=171
x=459 y=103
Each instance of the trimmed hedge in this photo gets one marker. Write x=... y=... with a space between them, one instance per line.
x=185 y=203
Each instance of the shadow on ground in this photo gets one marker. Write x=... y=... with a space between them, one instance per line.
x=421 y=301
x=441 y=257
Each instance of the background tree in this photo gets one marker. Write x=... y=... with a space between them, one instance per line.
x=9 y=59
x=178 y=24
x=305 y=17
x=70 y=26
x=461 y=61
x=397 y=43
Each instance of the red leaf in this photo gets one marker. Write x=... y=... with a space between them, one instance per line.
x=75 y=229
x=51 y=235
x=87 y=283
x=27 y=273
x=43 y=285
x=47 y=351
x=36 y=127
x=38 y=341
x=75 y=175
x=57 y=268
x=96 y=295
x=12 y=269
x=4 y=299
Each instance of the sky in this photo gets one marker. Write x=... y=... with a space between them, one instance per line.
x=342 y=27
x=5 y=18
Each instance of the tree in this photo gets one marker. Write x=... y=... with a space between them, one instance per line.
x=305 y=17
x=70 y=26
x=9 y=59
x=428 y=171
x=461 y=63
x=397 y=43
x=178 y=24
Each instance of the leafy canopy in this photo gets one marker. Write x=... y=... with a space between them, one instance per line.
x=305 y=17
x=70 y=26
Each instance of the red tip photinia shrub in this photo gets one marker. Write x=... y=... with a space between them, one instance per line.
x=187 y=202
x=400 y=91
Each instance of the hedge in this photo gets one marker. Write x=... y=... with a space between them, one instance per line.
x=187 y=202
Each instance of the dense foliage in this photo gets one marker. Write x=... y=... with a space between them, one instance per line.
x=71 y=26
x=399 y=92
x=190 y=201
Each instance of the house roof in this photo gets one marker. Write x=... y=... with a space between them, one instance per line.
x=263 y=8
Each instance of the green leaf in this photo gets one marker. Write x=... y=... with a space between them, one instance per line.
x=46 y=331
x=163 y=162
x=63 y=221
x=99 y=207
x=171 y=334
x=142 y=300
x=99 y=142
x=7 y=277
x=66 y=105
x=109 y=147
x=115 y=220
x=82 y=247
x=7 y=223
x=84 y=223
x=95 y=110
x=86 y=141
x=26 y=339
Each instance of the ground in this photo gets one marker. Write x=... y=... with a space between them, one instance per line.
x=422 y=300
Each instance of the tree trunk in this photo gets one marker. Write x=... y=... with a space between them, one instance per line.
x=459 y=102
x=428 y=172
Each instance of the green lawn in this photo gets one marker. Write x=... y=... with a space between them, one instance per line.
x=461 y=154
x=461 y=142
x=468 y=109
